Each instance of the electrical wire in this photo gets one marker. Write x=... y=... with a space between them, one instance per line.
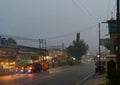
x=65 y=35
x=108 y=9
x=36 y=40
x=72 y=33
x=49 y=38
x=113 y=10
x=20 y=38
x=85 y=10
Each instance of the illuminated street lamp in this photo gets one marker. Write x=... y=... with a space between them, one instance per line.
x=98 y=57
x=99 y=44
x=118 y=35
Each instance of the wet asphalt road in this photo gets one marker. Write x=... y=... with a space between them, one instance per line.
x=68 y=75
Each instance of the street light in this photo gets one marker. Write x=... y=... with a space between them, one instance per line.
x=99 y=44
x=98 y=57
x=118 y=36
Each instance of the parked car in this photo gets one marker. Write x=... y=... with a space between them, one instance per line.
x=34 y=67
x=19 y=69
x=100 y=66
x=30 y=68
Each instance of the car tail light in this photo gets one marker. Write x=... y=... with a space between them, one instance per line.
x=29 y=71
x=30 y=68
x=16 y=69
x=22 y=68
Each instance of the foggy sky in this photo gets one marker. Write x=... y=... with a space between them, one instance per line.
x=50 y=19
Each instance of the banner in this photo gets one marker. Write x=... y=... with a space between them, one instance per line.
x=112 y=26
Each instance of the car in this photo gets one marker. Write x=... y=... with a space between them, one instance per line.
x=19 y=69
x=29 y=68
x=34 y=67
x=100 y=66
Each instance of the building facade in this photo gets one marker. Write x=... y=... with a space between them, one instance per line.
x=8 y=57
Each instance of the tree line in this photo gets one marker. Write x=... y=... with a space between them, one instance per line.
x=77 y=49
x=6 y=42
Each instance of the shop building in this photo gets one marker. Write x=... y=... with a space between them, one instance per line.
x=28 y=55
x=8 y=57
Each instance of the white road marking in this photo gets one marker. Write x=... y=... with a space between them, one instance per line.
x=78 y=83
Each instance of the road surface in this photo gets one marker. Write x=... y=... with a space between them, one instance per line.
x=66 y=75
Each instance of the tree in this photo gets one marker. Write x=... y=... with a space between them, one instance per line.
x=8 y=42
x=11 y=42
x=3 y=42
x=78 y=47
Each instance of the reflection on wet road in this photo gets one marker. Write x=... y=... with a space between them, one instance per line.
x=68 y=75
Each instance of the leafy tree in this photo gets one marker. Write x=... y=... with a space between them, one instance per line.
x=8 y=42
x=3 y=42
x=11 y=41
x=78 y=47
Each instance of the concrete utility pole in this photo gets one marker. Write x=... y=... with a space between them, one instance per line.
x=118 y=36
x=99 y=43
x=42 y=49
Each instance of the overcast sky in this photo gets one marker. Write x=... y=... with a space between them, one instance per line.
x=56 y=20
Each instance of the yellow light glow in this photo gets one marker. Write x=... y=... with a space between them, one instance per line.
x=14 y=62
x=6 y=63
x=2 y=63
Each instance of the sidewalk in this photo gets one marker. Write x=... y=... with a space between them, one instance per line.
x=96 y=80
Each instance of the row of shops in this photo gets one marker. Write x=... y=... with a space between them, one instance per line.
x=22 y=55
x=18 y=56
x=8 y=57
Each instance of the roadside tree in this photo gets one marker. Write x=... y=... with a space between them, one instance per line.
x=78 y=48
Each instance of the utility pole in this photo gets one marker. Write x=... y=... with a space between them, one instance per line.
x=39 y=49
x=99 y=44
x=118 y=36
x=45 y=49
x=39 y=45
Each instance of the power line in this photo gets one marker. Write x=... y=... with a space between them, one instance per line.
x=85 y=9
x=108 y=8
x=20 y=38
x=112 y=10
x=72 y=33
x=55 y=37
